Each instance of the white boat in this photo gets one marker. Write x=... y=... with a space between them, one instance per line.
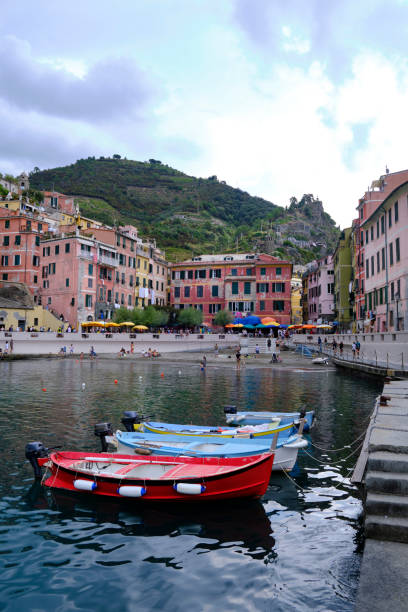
x=203 y=446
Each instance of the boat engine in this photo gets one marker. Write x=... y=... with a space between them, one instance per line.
x=230 y=410
x=34 y=451
x=101 y=430
x=129 y=419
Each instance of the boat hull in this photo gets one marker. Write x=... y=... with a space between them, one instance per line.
x=254 y=418
x=220 y=432
x=133 y=443
x=201 y=480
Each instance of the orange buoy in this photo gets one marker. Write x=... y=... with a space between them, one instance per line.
x=115 y=381
x=44 y=389
x=162 y=374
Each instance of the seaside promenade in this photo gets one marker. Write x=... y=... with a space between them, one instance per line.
x=51 y=343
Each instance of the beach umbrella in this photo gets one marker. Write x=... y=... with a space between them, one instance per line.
x=141 y=327
x=283 y=326
x=324 y=326
x=251 y=320
x=229 y=325
x=250 y=326
x=127 y=324
x=111 y=324
x=238 y=321
x=269 y=321
x=262 y=326
x=309 y=326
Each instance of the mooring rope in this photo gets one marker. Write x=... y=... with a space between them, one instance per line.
x=336 y=450
x=329 y=462
x=315 y=492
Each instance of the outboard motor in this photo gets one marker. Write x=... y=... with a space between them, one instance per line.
x=302 y=421
x=101 y=430
x=129 y=419
x=34 y=451
x=230 y=410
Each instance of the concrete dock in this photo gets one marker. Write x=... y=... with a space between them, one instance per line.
x=382 y=474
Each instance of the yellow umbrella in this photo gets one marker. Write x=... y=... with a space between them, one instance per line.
x=111 y=324
x=230 y=325
x=141 y=327
x=237 y=325
x=127 y=324
x=324 y=326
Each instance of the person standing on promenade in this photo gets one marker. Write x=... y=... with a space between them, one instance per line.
x=353 y=349
x=6 y=348
x=269 y=344
x=216 y=350
x=319 y=342
x=71 y=349
x=358 y=349
x=341 y=346
x=256 y=350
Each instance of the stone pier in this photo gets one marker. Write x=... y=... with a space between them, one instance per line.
x=382 y=474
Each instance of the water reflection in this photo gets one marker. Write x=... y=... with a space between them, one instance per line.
x=295 y=550
x=243 y=523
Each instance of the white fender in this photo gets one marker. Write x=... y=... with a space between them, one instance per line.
x=129 y=491
x=85 y=485
x=189 y=488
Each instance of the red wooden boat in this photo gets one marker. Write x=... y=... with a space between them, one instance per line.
x=158 y=478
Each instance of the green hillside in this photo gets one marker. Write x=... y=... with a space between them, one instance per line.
x=187 y=215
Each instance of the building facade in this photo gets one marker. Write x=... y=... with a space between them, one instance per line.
x=386 y=263
x=320 y=287
x=241 y=283
x=20 y=250
x=343 y=284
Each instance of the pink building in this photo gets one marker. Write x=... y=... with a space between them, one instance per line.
x=59 y=202
x=238 y=282
x=320 y=288
x=386 y=262
x=69 y=277
x=20 y=235
x=368 y=204
x=125 y=242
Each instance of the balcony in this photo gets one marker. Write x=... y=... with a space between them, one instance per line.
x=107 y=261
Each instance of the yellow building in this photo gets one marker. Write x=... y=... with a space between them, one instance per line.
x=18 y=311
x=296 y=305
x=142 y=276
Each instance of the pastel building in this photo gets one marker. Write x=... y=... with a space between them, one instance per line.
x=343 y=284
x=320 y=288
x=20 y=251
x=386 y=263
x=380 y=190
x=69 y=277
x=239 y=282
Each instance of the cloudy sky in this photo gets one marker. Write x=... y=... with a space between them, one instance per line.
x=277 y=97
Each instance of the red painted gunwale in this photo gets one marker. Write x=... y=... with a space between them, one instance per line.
x=223 y=478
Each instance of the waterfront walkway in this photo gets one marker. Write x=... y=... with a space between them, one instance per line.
x=382 y=473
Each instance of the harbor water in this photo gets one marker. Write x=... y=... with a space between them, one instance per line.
x=296 y=549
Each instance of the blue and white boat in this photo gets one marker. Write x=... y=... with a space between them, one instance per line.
x=286 y=451
x=247 y=417
x=265 y=430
